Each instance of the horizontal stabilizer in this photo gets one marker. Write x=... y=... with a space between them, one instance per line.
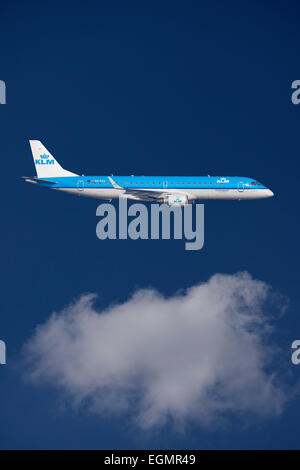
x=36 y=180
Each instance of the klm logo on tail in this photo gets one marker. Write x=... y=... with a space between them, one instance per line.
x=41 y=161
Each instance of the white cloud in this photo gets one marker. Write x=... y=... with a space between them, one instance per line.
x=197 y=355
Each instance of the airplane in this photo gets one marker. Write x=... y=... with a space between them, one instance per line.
x=171 y=190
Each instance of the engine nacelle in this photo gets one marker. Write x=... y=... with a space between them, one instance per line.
x=177 y=200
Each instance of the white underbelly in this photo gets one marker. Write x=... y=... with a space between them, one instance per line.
x=193 y=194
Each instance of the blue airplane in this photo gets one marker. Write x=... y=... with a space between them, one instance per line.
x=171 y=190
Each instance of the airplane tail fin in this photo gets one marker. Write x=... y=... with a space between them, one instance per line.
x=45 y=164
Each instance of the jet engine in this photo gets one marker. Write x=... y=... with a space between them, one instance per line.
x=177 y=200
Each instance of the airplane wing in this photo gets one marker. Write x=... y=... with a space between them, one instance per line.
x=143 y=194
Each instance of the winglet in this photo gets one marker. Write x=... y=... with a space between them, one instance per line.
x=114 y=184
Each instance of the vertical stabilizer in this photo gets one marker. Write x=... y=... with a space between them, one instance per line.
x=45 y=164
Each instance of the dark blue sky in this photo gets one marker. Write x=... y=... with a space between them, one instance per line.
x=180 y=88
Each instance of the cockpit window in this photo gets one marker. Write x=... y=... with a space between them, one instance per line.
x=255 y=183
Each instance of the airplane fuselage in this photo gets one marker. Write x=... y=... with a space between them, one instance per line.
x=201 y=187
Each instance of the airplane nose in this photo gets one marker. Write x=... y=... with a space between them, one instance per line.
x=269 y=193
